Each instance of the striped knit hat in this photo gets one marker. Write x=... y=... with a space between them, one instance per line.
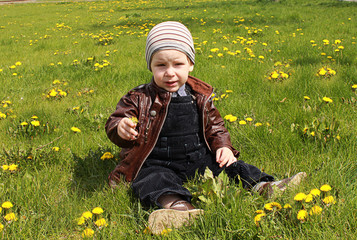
x=169 y=35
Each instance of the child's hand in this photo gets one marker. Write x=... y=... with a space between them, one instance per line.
x=224 y=156
x=126 y=129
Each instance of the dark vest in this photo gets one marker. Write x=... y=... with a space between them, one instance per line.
x=180 y=134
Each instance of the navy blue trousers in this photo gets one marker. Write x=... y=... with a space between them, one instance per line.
x=158 y=177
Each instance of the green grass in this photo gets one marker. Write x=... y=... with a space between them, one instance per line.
x=51 y=189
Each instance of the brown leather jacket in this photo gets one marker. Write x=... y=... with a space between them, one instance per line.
x=149 y=104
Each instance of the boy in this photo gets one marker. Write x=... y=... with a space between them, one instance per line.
x=179 y=132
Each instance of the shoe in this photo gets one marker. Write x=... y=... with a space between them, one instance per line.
x=179 y=214
x=266 y=189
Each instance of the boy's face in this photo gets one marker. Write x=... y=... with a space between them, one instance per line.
x=170 y=69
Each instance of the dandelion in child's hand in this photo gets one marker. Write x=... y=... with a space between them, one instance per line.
x=97 y=210
x=7 y=205
x=325 y=188
x=300 y=197
x=88 y=232
x=315 y=210
x=134 y=120
x=75 y=129
x=302 y=215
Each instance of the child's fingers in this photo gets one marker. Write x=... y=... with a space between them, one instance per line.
x=224 y=156
x=126 y=129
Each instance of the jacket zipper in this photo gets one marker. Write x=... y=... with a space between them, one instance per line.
x=203 y=121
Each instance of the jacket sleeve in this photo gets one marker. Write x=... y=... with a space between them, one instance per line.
x=216 y=134
x=127 y=107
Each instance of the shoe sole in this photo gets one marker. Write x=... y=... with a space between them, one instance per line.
x=170 y=218
x=294 y=181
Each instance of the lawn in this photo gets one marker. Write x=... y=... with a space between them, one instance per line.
x=285 y=79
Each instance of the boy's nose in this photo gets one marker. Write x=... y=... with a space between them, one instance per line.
x=170 y=71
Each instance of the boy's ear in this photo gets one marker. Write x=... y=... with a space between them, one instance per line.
x=191 y=66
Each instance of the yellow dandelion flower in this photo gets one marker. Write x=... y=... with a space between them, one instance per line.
x=274 y=75
x=34 y=117
x=101 y=223
x=10 y=217
x=329 y=200
x=273 y=205
x=7 y=205
x=53 y=93
x=259 y=211
x=87 y=215
x=306 y=98
x=228 y=116
x=134 y=120
x=327 y=99
x=312 y=133
x=258 y=218
x=315 y=210
x=166 y=231
x=322 y=72
x=300 y=197
x=309 y=198
x=287 y=205
x=56 y=81
x=242 y=122
x=81 y=221
x=18 y=63
x=325 y=188
x=229 y=91
x=13 y=167
x=35 y=123
x=2 y=115
x=315 y=192
x=249 y=119
x=107 y=155
x=75 y=129
x=1 y=227
x=5 y=167
x=232 y=119
x=56 y=149
x=302 y=215
x=97 y=210
x=88 y=232
x=354 y=86
x=258 y=124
